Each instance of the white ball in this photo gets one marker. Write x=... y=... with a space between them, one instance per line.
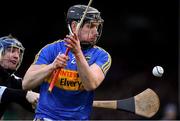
x=158 y=71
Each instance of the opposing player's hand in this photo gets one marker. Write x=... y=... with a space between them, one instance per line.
x=60 y=61
x=73 y=43
x=32 y=97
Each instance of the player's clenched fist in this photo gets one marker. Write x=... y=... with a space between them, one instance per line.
x=32 y=97
x=73 y=43
x=60 y=61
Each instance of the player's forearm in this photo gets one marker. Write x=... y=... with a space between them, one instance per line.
x=8 y=95
x=36 y=75
x=88 y=78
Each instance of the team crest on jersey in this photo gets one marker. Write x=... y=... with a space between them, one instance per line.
x=73 y=61
x=88 y=58
x=68 y=80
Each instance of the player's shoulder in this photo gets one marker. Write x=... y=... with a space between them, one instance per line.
x=16 y=77
x=53 y=44
x=56 y=42
x=100 y=49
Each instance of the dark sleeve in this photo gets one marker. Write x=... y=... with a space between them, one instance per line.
x=15 y=82
x=16 y=95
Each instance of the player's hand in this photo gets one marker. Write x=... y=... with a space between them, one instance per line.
x=73 y=43
x=60 y=61
x=32 y=97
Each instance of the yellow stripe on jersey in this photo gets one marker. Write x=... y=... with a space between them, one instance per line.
x=105 y=67
x=37 y=55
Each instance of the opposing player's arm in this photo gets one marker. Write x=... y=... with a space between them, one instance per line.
x=9 y=95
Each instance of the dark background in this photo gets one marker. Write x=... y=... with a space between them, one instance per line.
x=138 y=35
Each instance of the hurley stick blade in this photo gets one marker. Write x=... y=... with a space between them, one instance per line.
x=147 y=103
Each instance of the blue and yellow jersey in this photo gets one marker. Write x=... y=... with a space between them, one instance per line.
x=68 y=99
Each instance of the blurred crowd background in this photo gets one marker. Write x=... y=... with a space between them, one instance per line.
x=138 y=34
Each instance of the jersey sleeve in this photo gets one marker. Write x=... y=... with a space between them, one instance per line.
x=16 y=82
x=11 y=95
x=104 y=61
x=45 y=55
x=8 y=95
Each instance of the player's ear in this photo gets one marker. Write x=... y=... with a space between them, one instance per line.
x=73 y=26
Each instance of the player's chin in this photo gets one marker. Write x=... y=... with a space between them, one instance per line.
x=92 y=40
x=12 y=66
